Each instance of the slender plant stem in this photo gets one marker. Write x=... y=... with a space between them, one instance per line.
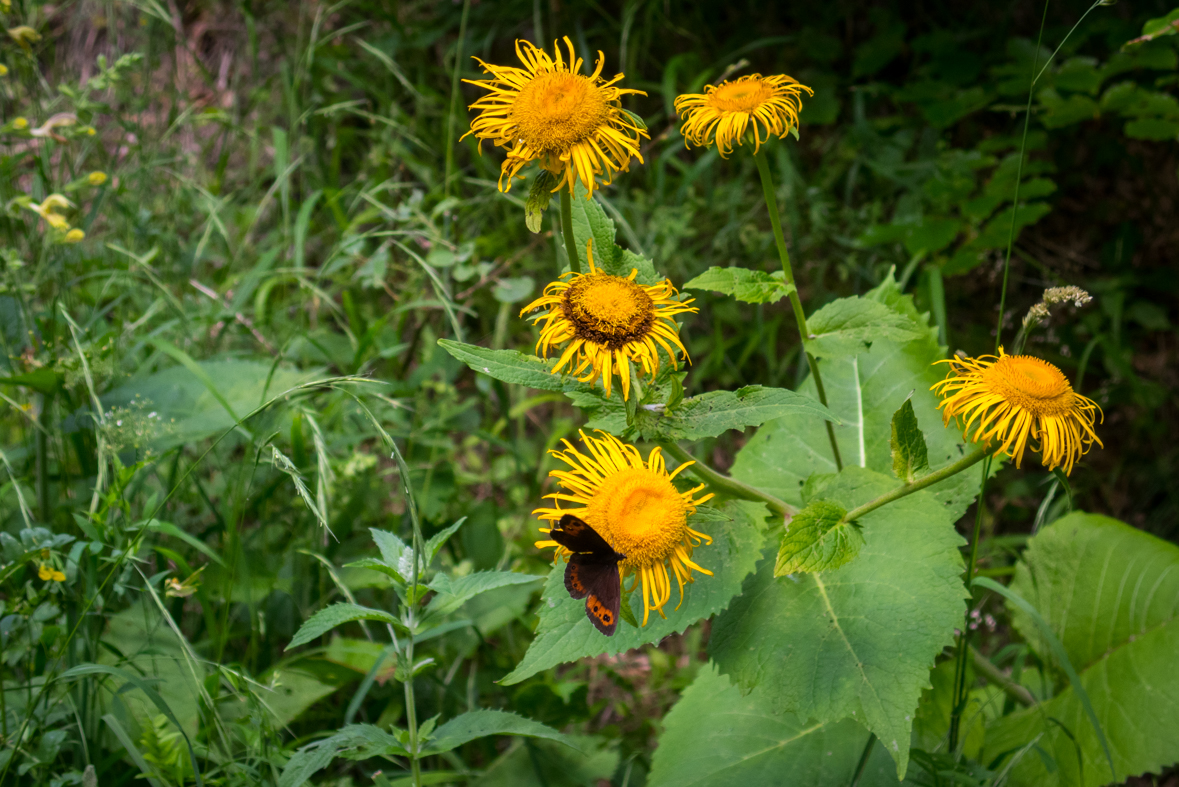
x=859 y=774
x=454 y=95
x=907 y=489
x=729 y=486
x=964 y=637
x=996 y=676
x=767 y=187
x=567 y=230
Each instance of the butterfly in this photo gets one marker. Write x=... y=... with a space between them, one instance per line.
x=592 y=571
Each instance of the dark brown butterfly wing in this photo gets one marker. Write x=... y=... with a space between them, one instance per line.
x=577 y=536
x=592 y=572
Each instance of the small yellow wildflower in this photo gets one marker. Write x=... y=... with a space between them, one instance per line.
x=24 y=35
x=96 y=178
x=20 y=123
x=3 y=70
x=73 y=236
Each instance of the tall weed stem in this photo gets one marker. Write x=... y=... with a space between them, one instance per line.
x=767 y=187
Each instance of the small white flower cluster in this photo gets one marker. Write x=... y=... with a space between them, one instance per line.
x=1054 y=296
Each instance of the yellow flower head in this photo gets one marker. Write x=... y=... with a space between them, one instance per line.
x=550 y=112
x=609 y=321
x=722 y=113
x=96 y=178
x=20 y=123
x=1010 y=400
x=24 y=35
x=74 y=236
x=3 y=70
x=636 y=508
x=45 y=572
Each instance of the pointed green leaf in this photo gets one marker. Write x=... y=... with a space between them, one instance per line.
x=747 y=286
x=748 y=740
x=565 y=633
x=858 y=641
x=481 y=723
x=817 y=539
x=1110 y=594
x=910 y=457
x=512 y=366
x=848 y=327
x=355 y=742
x=336 y=615
x=438 y=539
x=453 y=593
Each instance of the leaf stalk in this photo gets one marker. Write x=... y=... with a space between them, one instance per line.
x=727 y=485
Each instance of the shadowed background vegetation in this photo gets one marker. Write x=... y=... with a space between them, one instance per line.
x=288 y=202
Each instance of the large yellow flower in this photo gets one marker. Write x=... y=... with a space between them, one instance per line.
x=609 y=322
x=636 y=508
x=1010 y=400
x=549 y=111
x=722 y=113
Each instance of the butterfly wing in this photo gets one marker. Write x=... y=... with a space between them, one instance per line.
x=592 y=571
x=577 y=536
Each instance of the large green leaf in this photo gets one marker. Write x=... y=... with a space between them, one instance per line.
x=849 y=326
x=747 y=742
x=1110 y=594
x=863 y=392
x=713 y=413
x=565 y=633
x=181 y=406
x=817 y=539
x=354 y=742
x=858 y=641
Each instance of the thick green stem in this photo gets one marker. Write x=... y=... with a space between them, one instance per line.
x=919 y=484
x=767 y=187
x=567 y=230
x=863 y=760
x=726 y=485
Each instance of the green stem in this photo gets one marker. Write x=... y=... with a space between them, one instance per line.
x=411 y=712
x=454 y=94
x=767 y=187
x=908 y=489
x=995 y=675
x=863 y=760
x=567 y=230
x=729 y=486
x=964 y=637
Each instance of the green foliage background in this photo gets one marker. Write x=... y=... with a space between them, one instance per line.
x=294 y=261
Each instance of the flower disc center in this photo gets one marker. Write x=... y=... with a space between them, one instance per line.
x=641 y=514
x=744 y=96
x=609 y=310
x=1036 y=385
x=556 y=110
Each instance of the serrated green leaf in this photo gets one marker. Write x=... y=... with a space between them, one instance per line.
x=863 y=392
x=748 y=740
x=439 y=539
x=395 y=553
x=858 y=641
x=336 y=615
x=714 y=413
x=590 y=222
x=1110 y=593
x=538 y=200
x=481 y=723
x=378 y=565
x=453 y=593
x=817 y=539
x=565 y=633
x=910 y=457
x=512 y=366
x=848 y=327
x=356 y=742
x=747 y=286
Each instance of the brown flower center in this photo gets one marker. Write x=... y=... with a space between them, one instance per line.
x=608 y=310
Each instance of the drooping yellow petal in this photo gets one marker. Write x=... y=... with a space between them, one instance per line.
x=722 y=113
x=1013 y=402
